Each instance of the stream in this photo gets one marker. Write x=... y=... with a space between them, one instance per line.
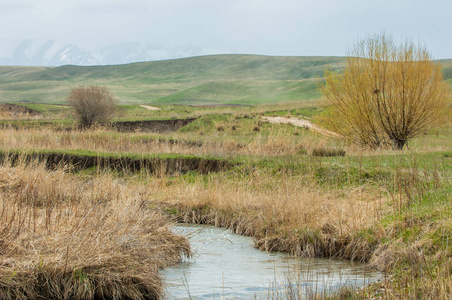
x=226 y=266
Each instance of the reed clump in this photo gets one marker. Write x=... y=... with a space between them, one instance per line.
x=63 y=237
x=287 y=213
x=327 y=152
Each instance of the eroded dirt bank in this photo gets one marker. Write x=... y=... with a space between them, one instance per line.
x=17 y=110
x=152 y=126
x=161 y=166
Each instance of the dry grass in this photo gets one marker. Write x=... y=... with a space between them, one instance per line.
x=325 y=152
x=274 y=144
x=67 y=238
x=278 y=142
x=288 y=213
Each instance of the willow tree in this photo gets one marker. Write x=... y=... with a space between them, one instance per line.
x=387 y=94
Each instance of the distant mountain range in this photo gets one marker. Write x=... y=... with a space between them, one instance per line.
x=35 y=52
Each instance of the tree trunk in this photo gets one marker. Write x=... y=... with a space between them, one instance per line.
x=397 y=144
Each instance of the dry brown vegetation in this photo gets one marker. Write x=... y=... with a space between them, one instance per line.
x=64 y=237
x=77 y=235
x=277 y=143
x=81 y=234
x=286 y=213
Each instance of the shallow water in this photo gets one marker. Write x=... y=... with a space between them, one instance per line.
x=226 y=266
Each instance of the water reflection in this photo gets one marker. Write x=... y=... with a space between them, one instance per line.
x=226 y=266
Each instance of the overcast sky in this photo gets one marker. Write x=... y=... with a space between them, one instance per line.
x=271 y=27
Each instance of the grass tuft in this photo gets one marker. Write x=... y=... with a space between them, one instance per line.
x=324 y=152
x=64 y=237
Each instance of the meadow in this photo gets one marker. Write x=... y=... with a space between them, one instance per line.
x=215 y=79
x=80 y=209
x=74 y=232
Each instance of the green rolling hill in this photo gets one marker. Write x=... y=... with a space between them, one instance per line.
x=218 y=79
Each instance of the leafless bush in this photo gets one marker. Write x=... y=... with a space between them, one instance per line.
x=92 y=104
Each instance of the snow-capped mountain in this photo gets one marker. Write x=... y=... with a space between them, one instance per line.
x=34 y=52
x=47 y=53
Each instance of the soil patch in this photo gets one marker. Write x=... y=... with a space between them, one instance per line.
x=161 y=126
x=17 y=110
x=301 y=123
x=221 y=105
x=174 y=142
x=148 y=107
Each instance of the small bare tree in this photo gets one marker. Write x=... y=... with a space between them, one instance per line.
x=92 y=104
x=387 y=94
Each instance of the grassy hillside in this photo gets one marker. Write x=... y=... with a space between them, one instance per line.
x=225 y=79
x=219 y=79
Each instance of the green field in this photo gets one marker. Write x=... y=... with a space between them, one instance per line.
x=218 y=79
x=221 y=79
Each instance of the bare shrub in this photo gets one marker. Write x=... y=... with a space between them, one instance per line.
x=92 y=104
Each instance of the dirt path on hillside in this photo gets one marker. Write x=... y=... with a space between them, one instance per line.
x=150 y=107
x=301 y=123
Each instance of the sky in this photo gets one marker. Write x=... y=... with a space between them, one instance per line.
x=269 y=27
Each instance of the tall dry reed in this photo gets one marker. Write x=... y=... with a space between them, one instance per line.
x=283 y=213
x=64 y=237
x=274 y=144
